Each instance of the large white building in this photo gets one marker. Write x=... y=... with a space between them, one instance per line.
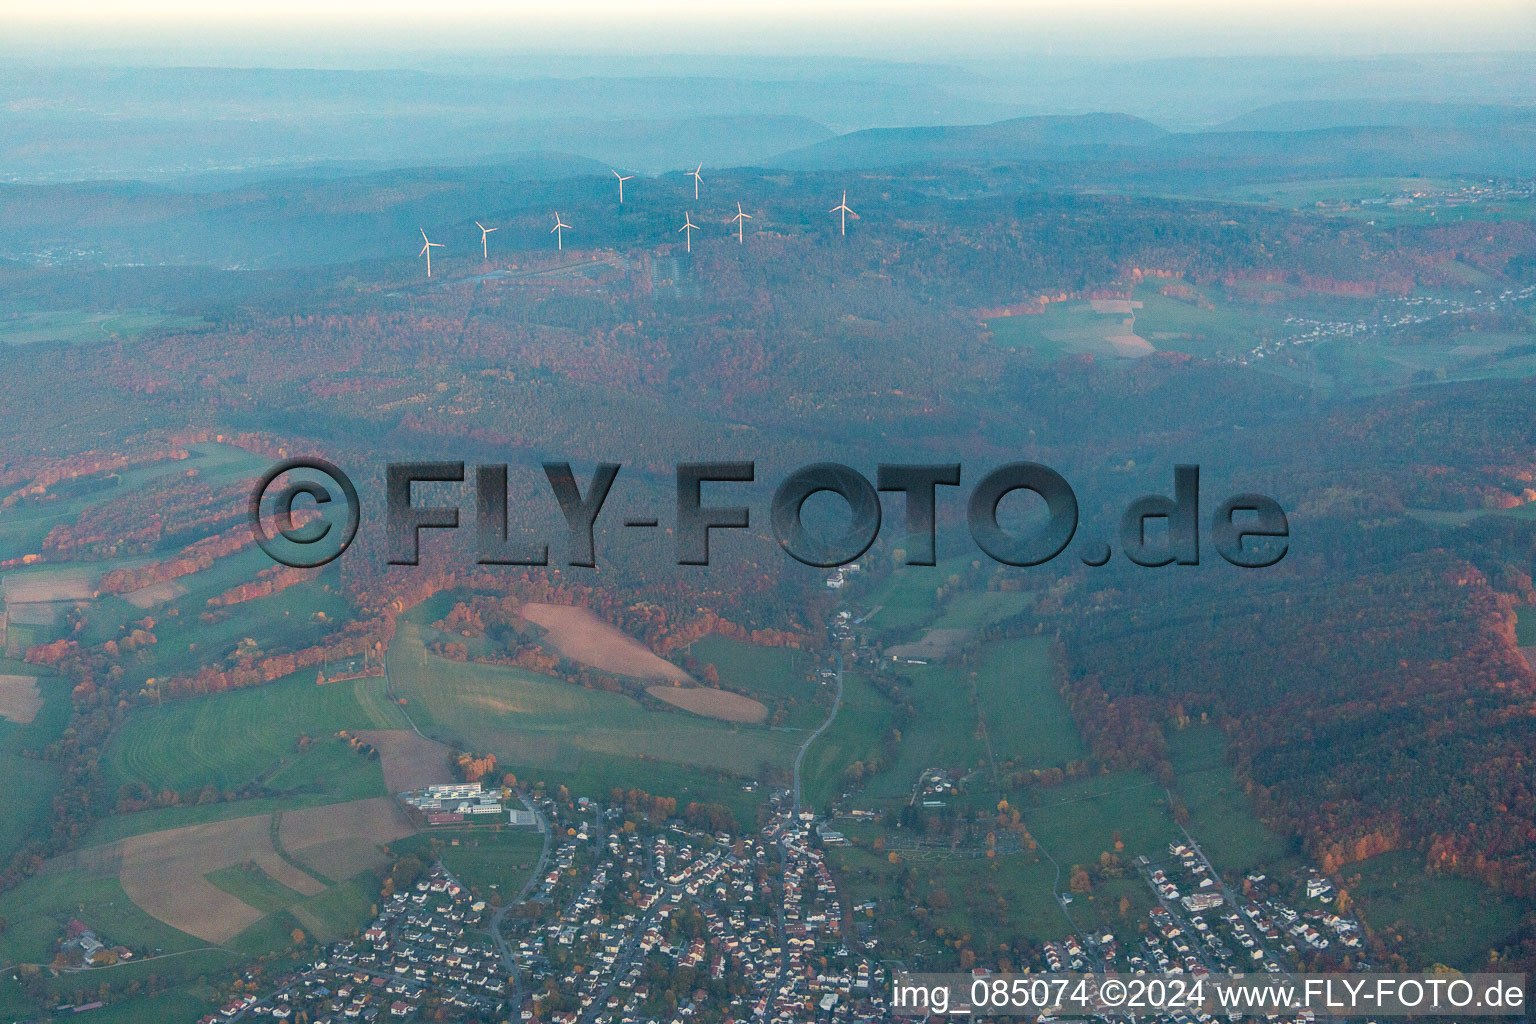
x=467 y=798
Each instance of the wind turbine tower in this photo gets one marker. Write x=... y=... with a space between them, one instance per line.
x=689 y=227
x=484 y=231
x=843 y=209
x=697 y=179
x=557 y=231
x=622 y=179
x=741 y=219
x=426 y=249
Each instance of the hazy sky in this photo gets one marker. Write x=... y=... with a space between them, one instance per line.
x=220 y=30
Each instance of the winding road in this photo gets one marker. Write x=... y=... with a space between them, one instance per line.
x=837 y=703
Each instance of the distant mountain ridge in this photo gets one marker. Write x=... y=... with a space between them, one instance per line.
x=1311 y=115
x=1053 y=135
x=1428 y=139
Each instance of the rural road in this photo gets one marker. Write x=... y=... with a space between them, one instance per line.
x=837 y=703
x=500 y=912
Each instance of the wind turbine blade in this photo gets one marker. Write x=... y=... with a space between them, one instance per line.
x=423 y=249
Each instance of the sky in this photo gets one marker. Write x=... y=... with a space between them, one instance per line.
x=223 y=30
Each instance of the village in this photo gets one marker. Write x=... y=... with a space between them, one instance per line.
x=750 y=928
x=624 y=925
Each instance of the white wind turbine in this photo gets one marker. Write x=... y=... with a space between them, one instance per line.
x=740 y=220
x=484 y=231
x=689 y=227
x=426 y=250
x=556 y=231
x=697 y=179
x=622 y=179
x=846 y=212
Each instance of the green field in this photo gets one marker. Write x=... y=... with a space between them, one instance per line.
x=1077 y=821
x=1062 y=329
x=943 y=734
x=1430 y=918
x=38 y=909
x=1004 y=707
x=909 y=596
x=242 y=736
x=1019 y=699
x=251 y=885
x=1525 y=627
x=545 y=729
x=78 y=327
x=780 y=677
x=857 y=734
x=27 y=797
x=298 y=617
x=977 y=609
x=495 y=864
x=1221 y=817
x=996 y=900
x=341 y=910
x=1229 y=327
x=184 y=991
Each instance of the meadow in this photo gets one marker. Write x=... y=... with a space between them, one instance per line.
x=494 y=863
x=1525 y=627
x=1079 y=820
x=341 y=910
x=248 y=883
x=79 y=327
x=27 y=798
x=1019 y=699
x=943 y=733
x=1067 y=328
x=240 y=737
x=1430 y=918
x=993 y=900
x=1228 y=328
x=777 y=676
x=1221 y=816
x=542 y=728
x=301 y=615
x=908 y=597
x=1004 y=707
x=978 y=609
x=857 y=734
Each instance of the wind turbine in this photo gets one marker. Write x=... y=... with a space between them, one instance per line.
x=843 y=208
x=689 y=227
x=697 y=179
x=559 y=236
x=426 y=250
x=622 y=179
x=741 y=219
x=484 y=251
